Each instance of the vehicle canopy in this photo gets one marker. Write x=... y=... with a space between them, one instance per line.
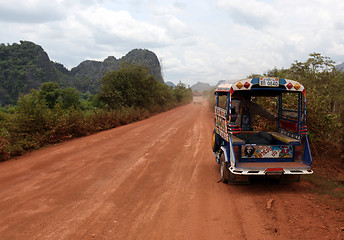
x=290 y=122
x=265 y=86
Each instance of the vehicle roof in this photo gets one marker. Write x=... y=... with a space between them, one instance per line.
x=253 y=85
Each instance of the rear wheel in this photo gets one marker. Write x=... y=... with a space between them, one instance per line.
x=215 y=146
x=224 y=172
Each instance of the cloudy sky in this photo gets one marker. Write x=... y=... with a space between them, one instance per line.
x=195 y=40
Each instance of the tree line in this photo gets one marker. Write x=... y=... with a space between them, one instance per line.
x=53 y=114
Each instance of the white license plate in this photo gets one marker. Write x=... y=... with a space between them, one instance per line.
x=269 y=82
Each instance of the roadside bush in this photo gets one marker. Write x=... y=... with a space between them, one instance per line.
x=325 y=103
x=4 y=145
x=32 y=119
x=66 y=124
x=182 y=93
x=51 y=115
x=325 y=128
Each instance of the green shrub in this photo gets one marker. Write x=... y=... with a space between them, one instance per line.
x=52 y=115
x=325 y=103
x=4 y=145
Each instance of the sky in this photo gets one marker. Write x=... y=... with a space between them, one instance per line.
x=195 y=40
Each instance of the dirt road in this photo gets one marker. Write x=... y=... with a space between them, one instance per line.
x=154 y=179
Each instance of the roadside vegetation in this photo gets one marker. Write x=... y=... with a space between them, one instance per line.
x=52 y=114
x=325 y=106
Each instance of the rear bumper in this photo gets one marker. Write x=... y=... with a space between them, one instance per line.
x=273 y=168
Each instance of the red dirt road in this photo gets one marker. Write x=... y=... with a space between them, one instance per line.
x=154 y=179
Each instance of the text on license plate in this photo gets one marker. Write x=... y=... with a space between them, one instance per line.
x=269 y=82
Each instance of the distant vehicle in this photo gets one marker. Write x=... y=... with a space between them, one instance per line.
x=242 y=152
x=198 y=98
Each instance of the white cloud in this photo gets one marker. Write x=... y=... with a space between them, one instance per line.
x=254 y=13
x=109 y=26
x=30 y=11
x=197 y=40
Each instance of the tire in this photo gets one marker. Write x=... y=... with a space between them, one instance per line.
x=214 y=144
x=224 y=172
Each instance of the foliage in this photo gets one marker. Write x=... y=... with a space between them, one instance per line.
x=22 y=67
x=4 y=144
x=124 y=88
x=133 y=86
x=50 y=92
x=50 y=110
x=325 y=102
x=51 y=114
x=261 y=123
x=70 y=97
x=26 y=66
x=182 y=93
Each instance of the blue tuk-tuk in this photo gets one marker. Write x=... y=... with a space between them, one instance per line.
x=242 y=149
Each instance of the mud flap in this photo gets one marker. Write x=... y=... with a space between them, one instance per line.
x=238 y=179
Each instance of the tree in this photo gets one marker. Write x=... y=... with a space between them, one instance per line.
x=133 y=86
x=182 y=93
x=50 y=92
x=70 y=97
x=33 y=120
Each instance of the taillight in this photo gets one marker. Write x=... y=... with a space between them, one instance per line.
x=234 y=129
x=303 y=129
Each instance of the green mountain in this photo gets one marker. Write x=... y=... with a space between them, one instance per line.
x=86 y=76
x=26 y=66
x=22 y=67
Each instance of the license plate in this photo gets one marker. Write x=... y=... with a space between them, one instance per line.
x=269 y=82
x=274 y=171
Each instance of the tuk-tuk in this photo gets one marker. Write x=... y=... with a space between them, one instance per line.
x=244 y=150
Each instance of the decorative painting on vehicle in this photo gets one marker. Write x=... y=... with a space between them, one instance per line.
x=221 y=122
x=254 y=151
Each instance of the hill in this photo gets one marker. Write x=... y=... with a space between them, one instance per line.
x=201 y=87
x=171 y=84
x=23 y=67
x=26 y=66
x=86 y=76
x=340 y=66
